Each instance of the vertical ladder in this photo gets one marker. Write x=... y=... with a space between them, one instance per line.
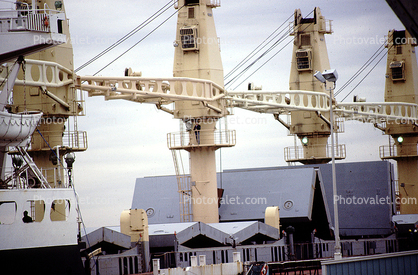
x=185 y=191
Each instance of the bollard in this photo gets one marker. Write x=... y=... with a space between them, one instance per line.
x=193 y=261
x=236 y=256
x=155 y=266
x=202 y=260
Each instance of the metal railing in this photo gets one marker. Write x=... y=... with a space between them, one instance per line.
x=188 y=139
x=77 y=140
x=56 y=177
x=74 y=140
x=27 y=19
x=213 y=3
x=398 y=151
x=326 y=27
x=297 y=153
x=209 y=3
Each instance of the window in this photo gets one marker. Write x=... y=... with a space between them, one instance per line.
x=60 y=210
x=36 y=209
x=190 y=13
x=7 y=212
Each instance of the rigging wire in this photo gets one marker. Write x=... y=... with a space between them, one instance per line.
x=254 y=52
x=362 y=68
x=280 y=40
x=128 y=35
x=268 y=60
x=133 y=46
x=234 y=79
x=365 y=75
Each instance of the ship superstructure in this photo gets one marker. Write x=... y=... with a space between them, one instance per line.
x=38 y=218
x=47 y=84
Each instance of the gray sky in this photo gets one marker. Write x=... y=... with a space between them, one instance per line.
x=128 y=140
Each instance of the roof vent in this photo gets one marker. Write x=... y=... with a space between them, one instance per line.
x=189 y=38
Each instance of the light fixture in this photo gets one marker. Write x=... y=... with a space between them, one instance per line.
x=319 y=76
x=400 y=139
x=305 y=140
x=69 y=159
x=58 y=5
x=328 y=75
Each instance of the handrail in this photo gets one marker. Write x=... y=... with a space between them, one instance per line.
x=187 y=139
x=76 y=140
x=296 y=153
x=26 y=11
x=398 y=151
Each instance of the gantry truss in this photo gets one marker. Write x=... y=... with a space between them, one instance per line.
x=167 y=90
x=54 y=75
x=151 y=90
x=283 y=102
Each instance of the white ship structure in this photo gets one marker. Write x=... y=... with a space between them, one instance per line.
x=38 y=223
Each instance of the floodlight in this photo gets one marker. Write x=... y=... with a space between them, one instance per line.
x=319 y=76
x=330 y=75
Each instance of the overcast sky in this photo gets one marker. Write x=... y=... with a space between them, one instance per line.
x=128 y=140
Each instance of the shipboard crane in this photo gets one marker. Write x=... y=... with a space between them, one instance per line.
x=199 y=98
x=307 y=103
x=310 y=55
x=199 y=101
x=402 y=85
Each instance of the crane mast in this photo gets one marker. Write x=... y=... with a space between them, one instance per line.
x=310 y=55
x=197 y=55
x=402 y=86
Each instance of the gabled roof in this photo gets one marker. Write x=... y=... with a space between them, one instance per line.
x=247 y=232
x=109 y=240
x=191 y=234
x=200 y=235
